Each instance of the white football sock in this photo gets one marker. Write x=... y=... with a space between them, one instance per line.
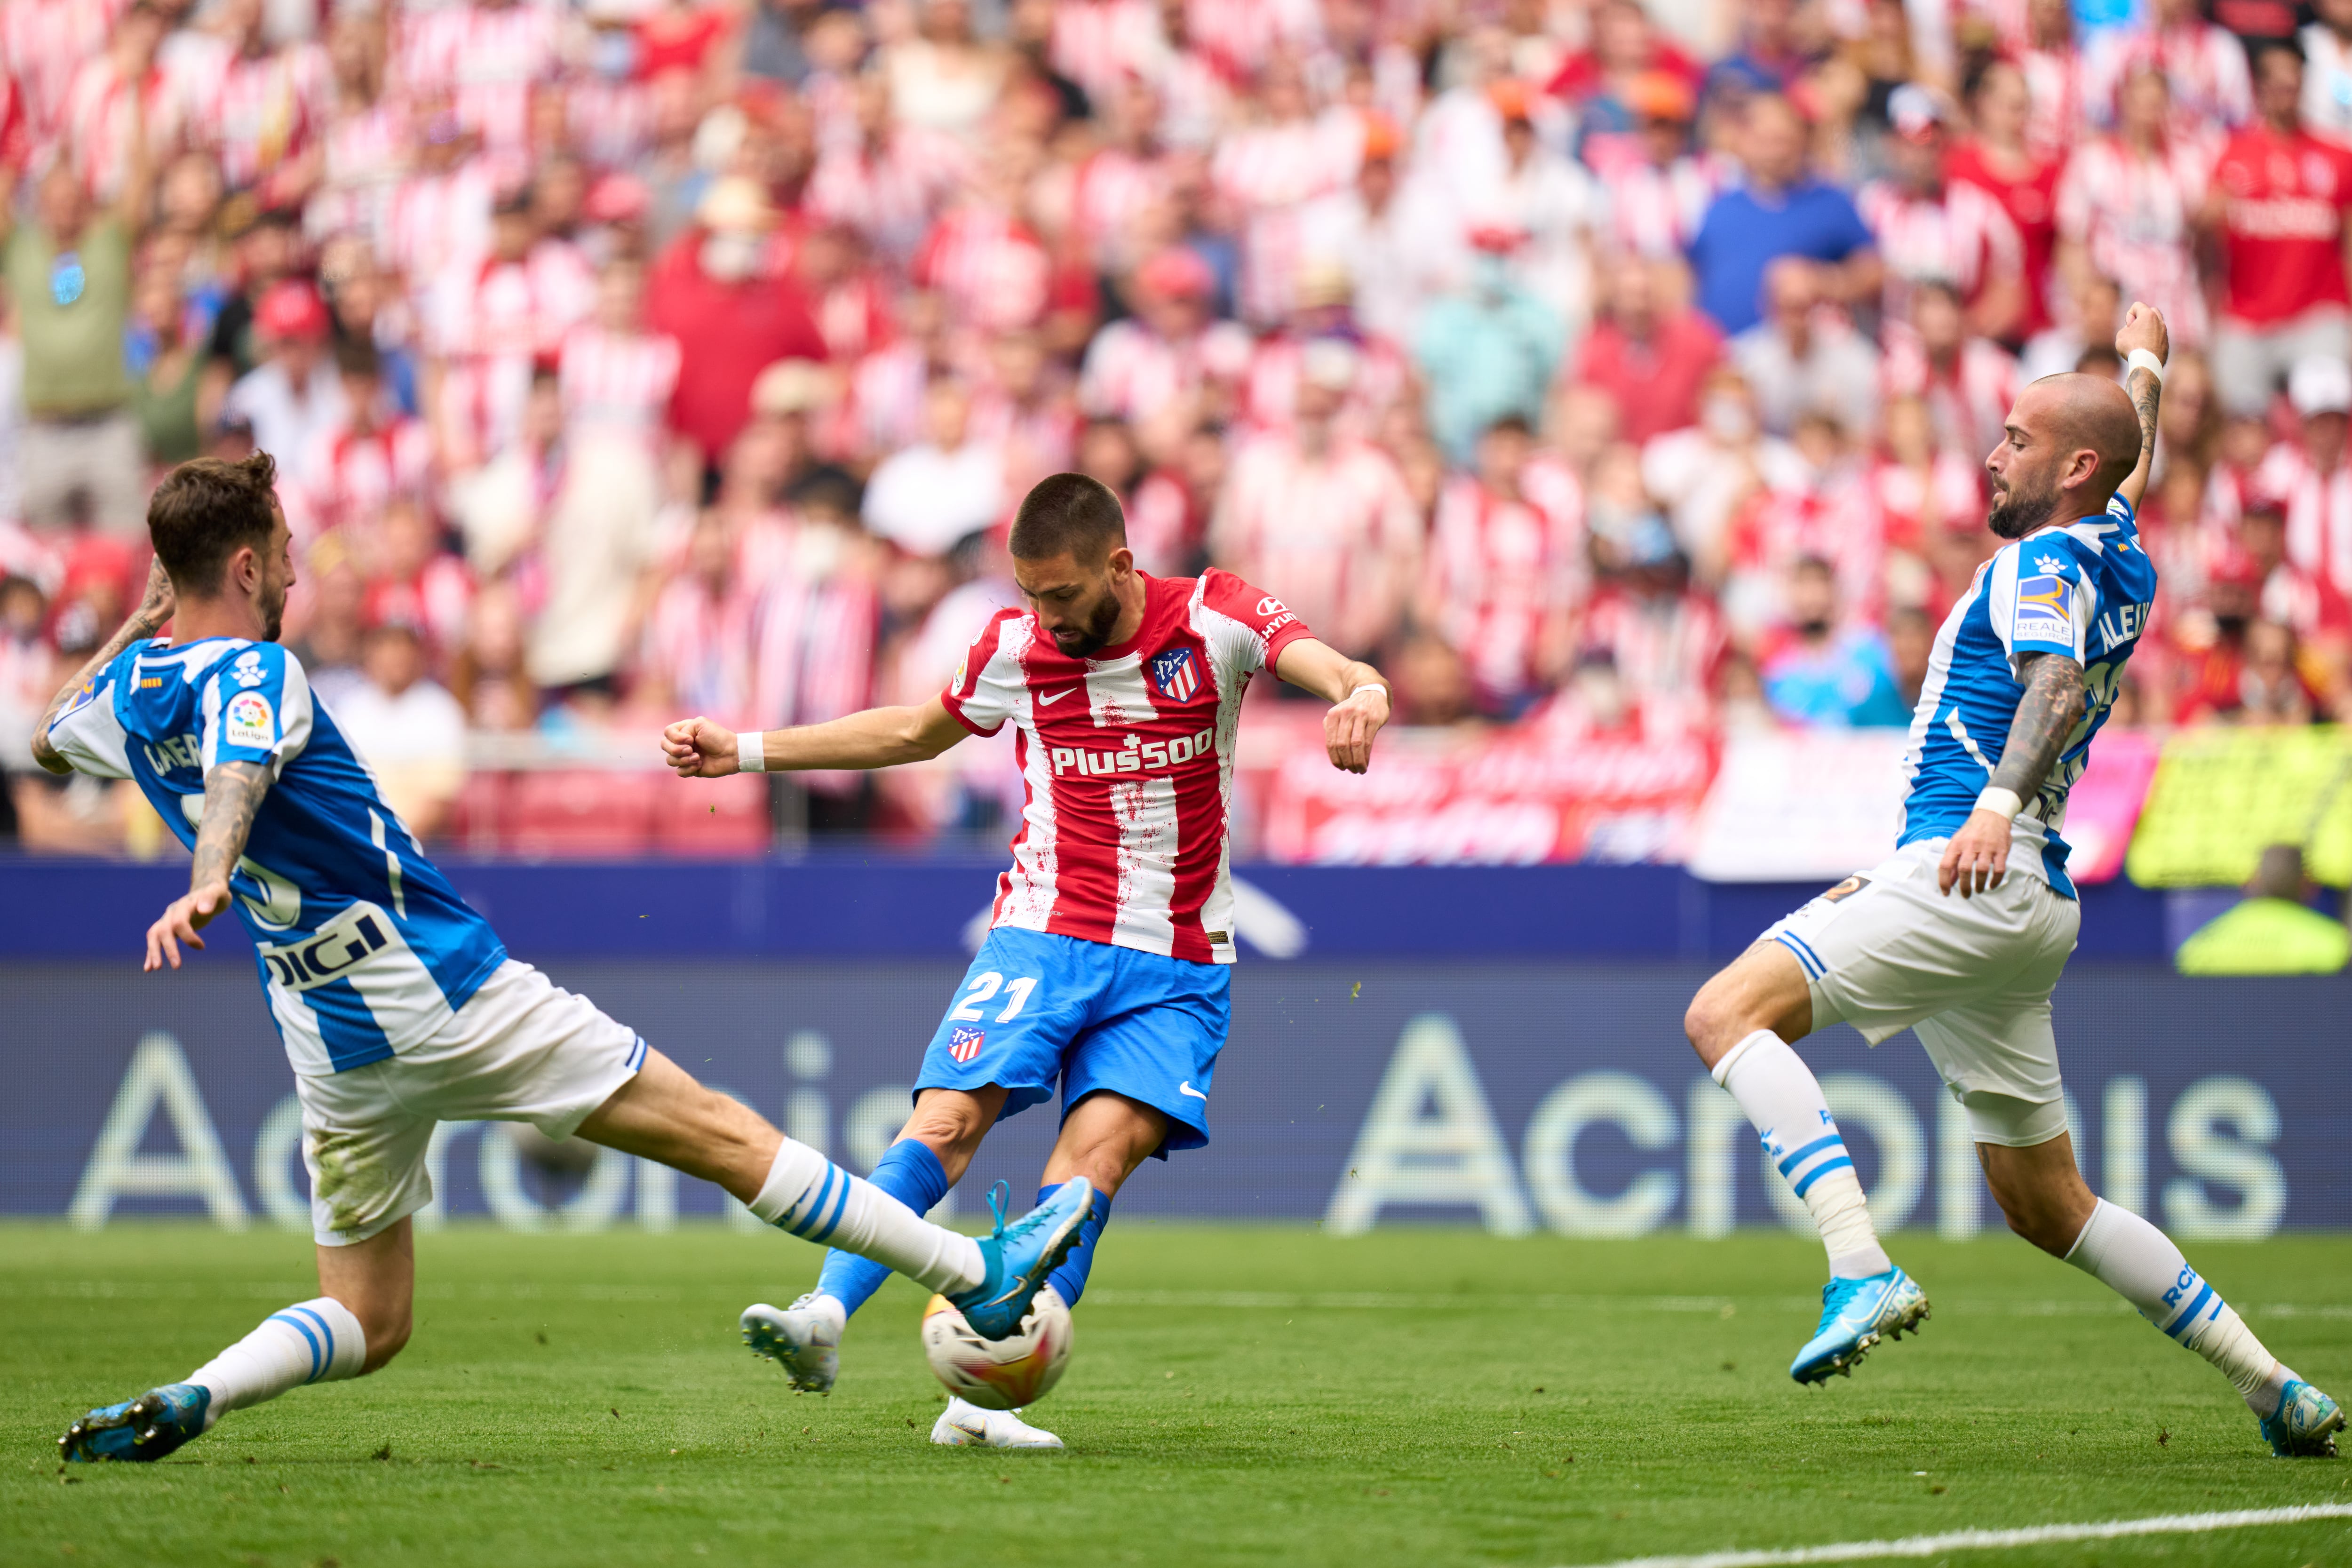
x=1783 y=1101
x=310 y=1342
x=2139 y=1263
x=810 y=1196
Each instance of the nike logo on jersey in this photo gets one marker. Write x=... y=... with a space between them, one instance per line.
x=1044 y=701
x=1186 y=1087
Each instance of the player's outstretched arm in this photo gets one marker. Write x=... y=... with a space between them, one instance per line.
x=2143 y=328
x=232 y=793
x=1359 y=698
x=155 y=609
x=1978 y=856
x=878 y=738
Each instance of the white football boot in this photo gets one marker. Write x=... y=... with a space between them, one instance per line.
x=964 y=1425
x=804 y=1338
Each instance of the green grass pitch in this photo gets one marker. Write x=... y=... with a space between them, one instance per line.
x=1240 y=1394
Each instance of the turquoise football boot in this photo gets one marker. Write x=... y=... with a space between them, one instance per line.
x=1854 y=1313
x=142 y=1430
x=2304 y=1425
x=1020 y=1256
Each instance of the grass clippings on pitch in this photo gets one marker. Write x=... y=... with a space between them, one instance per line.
x=1260 y=1395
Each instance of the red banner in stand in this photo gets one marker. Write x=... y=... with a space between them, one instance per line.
x=1492 y=800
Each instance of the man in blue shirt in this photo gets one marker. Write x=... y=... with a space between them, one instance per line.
x=1780 y=210
x=398 y=1003
x=2023 y=673
x=1826 y=675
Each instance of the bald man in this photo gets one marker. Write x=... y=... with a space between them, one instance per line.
x=1963 y=932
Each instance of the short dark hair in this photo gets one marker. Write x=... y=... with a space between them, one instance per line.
x=1068 y=515
x=204 y=511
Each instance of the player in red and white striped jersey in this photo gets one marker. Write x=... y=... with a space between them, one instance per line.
x=1105 y=973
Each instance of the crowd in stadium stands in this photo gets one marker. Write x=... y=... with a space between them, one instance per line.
x=1629 y=364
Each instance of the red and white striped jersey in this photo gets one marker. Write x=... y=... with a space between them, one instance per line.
x=2056 y=115
x=1099 y=44
x=991 y=268
x=255 y=112
x=1655 y=211
x=1127 y=759
x=1668 y=648
x=439 y=221
x=98 y=124
x=359 y=473
x=2138 y=217
x=1270 y=173
x=1132 y=373
x=1240 y=35
x=1339 y=530
x=44 y=43
x=487 y=60
x=500 y=309
x=365 y=151
x=1961 y=238
x=2318 y=513
x=1109 y=192
x=1270 y=392
x=813 y=645
x=1969 y=401
x=698 y=646
x=2203 y=64
x=616 y=382
x=888 y=194
x=1501 y=571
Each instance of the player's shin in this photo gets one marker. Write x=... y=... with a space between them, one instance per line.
x=1069 y=1279
x=311 y=1342
x=1783 y=1101
x=2141 y=1263
x=910 y=1172
x=810 y=1196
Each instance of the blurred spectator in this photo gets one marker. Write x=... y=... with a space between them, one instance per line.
x=1968 y=382
x=2277 y=199
x=2274 y=931
x=2205 y=66
x=1931 y=230
x=25 y=670
x=1507 y=568
x=1999 y=159
x=177 y=394
x=1659 y=187
x=1805 y=356
x=1647 y=354
x=1323 y=513
x=408 y=730
x=1780 y=210
x=1392 y=256
x=67 y=268
x=1910 y=646
x=1487 y=351
x=1165 y=363
x=2093 y=310
x=2310 y=475
x=1433 y=688
x=377 y=457
x=2127 y=211
x=925 y=498
x=1702 y=473
x=2327 y=41
x=294 y=398
x=1820 y=672
x=1664 y=638
x=714 y=292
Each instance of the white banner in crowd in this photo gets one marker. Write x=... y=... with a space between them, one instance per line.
x=1808 y=805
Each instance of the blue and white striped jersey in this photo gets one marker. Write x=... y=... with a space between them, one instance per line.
x=2083 y=590
x=364 y=948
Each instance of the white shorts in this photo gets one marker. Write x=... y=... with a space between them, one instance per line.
x=1886 y=952
x=520 y=1049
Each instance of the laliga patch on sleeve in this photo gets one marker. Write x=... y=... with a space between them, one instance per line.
x=2045 y=610
x=249 y=721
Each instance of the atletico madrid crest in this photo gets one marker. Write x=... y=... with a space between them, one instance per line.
x=965 y=1044
x=1177 y=673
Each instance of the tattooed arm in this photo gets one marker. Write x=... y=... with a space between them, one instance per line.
x=233 y=793
x=1977 y=858
x=155 y=609
x=2143 y=328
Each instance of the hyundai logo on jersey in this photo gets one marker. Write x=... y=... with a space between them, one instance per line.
x=1177 y=674
x=965 y=1044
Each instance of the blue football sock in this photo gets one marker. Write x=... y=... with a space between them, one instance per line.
x=1069 y=1281
x=908 y=1171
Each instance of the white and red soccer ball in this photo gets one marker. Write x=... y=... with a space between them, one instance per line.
x=999 y=1375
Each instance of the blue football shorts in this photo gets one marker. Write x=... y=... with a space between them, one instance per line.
x=1036 y=1011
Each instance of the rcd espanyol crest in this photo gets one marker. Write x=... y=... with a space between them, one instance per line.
x=1177 y=673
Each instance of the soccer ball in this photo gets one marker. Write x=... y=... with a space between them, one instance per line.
x=999 y=1375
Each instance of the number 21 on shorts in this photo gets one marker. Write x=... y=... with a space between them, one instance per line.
x=984 y=988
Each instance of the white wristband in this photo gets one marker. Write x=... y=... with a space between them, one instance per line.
x=751 y=750
x=2001 y=803
x=2141 y=359
x=1372 y=686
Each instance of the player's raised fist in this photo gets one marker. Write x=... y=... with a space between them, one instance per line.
x=2143 y=328
x=700 y=748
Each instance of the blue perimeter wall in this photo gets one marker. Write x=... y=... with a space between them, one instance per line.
x=1500 y=1045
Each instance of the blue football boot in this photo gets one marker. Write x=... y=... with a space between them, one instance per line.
x=1020 y=1256
x=1854 y=1313
x=144 y=1429
x=2304 y=1425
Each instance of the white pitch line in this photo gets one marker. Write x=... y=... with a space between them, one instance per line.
x=1994 y=1539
